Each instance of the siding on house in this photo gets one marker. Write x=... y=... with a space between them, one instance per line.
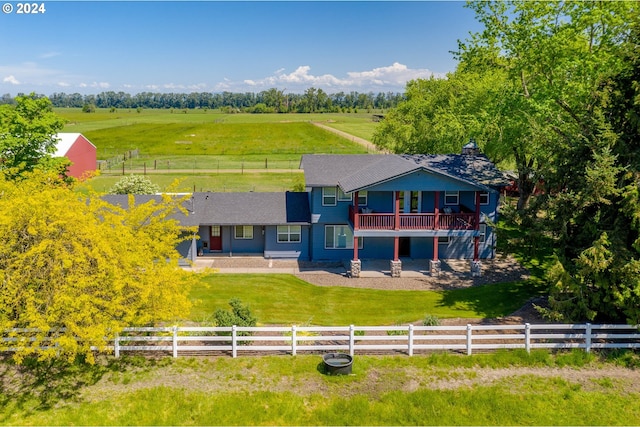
x=323 y=223
x=381 y=176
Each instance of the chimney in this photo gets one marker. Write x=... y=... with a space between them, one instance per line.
x=471 y=148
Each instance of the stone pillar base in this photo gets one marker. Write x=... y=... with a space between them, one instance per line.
x=476 y=268
x=396 y=268
x=435 y=267
x=356 y=268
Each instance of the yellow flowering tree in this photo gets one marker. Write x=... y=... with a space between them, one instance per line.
x=75 y=270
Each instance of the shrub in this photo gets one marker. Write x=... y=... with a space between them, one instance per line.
x=134 y=184
x=431 y=320
x=397 y=332
x=240 y=315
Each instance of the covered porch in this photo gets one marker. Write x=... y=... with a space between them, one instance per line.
x=399 y=224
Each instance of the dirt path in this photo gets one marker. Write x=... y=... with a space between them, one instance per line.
x=367 y=144
x=373 y=382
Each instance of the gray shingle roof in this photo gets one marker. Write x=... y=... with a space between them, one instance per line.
x=476 y=169
x=357 y=172
x=325 y=170
x=235 y=208
x=251 y=208
x=122 y=200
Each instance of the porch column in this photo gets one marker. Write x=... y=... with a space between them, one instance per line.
x=476 y=239
x=396 y=265
x=356 y=214
x=356 y=264
x=356 y=223
x=396 y=238
x=434 y=264
x=476 y=265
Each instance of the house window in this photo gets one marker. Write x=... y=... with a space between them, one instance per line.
x=289 y=233
x=410 y=201
x=328 y=196
x=343 y=197
x=451 y=198
x=483 y=232
x=362 y=198
x=244 y=232
x=339 y=237
x=444 y=240
x=484 y=197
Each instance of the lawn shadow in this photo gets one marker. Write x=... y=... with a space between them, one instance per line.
x=40 y=385
x=492 y=300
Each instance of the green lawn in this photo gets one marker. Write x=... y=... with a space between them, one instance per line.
x=222 y=182
x=198 y=144
x=285 y=299
x=291 y=390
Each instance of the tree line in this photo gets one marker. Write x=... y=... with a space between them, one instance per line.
x=551 y=90
x=312 y=100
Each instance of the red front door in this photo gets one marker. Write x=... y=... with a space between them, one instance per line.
x=215 y=241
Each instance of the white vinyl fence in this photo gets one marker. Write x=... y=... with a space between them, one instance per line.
x=178 y=340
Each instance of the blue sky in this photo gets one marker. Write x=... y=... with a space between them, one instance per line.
x=239 y=46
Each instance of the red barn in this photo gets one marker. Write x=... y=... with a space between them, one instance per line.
x=79 y=150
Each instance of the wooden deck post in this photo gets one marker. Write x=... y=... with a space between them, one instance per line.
x=396 y=238
x=436 y=223
x=476 y=239
x=356 y=222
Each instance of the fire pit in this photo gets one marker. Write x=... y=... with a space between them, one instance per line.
x=337 y=363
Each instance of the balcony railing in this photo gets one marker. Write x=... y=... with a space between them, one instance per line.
x=413 y=221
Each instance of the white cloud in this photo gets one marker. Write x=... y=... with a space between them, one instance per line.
x=48 y=55
x=95 y=85
x=31 y=76
x=11 y=79
x=390 y=78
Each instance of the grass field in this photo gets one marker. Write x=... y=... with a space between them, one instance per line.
x=572 y=388
x=285 y=299
x=198 y=145
x=199 y=181
x=358 y=124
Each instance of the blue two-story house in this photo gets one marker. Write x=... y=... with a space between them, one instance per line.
x=374 y=206
x=393 y=206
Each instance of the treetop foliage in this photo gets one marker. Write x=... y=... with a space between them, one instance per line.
x=551 y=90
x=27 y=136
x=268 y=101
x=75 y=270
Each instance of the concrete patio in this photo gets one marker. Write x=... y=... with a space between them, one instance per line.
x=377 y=268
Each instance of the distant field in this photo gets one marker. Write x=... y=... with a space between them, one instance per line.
x=199 y=141
x=222 y=182
x=358 y=124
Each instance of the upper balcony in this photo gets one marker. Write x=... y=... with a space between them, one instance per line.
x=412 y=221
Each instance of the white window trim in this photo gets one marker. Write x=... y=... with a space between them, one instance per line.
x=289 y=233
x=484 y=194
x=452 y=194
x=446 y=242
x=483 y=233
x=342 y=196
x=244 y=229
x=335 y=196
x=363 y=194
x=349 y=242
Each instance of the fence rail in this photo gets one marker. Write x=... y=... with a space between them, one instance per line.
x=190 y=340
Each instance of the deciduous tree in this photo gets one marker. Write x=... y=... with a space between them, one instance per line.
x=27 y=134
x=74 y=270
